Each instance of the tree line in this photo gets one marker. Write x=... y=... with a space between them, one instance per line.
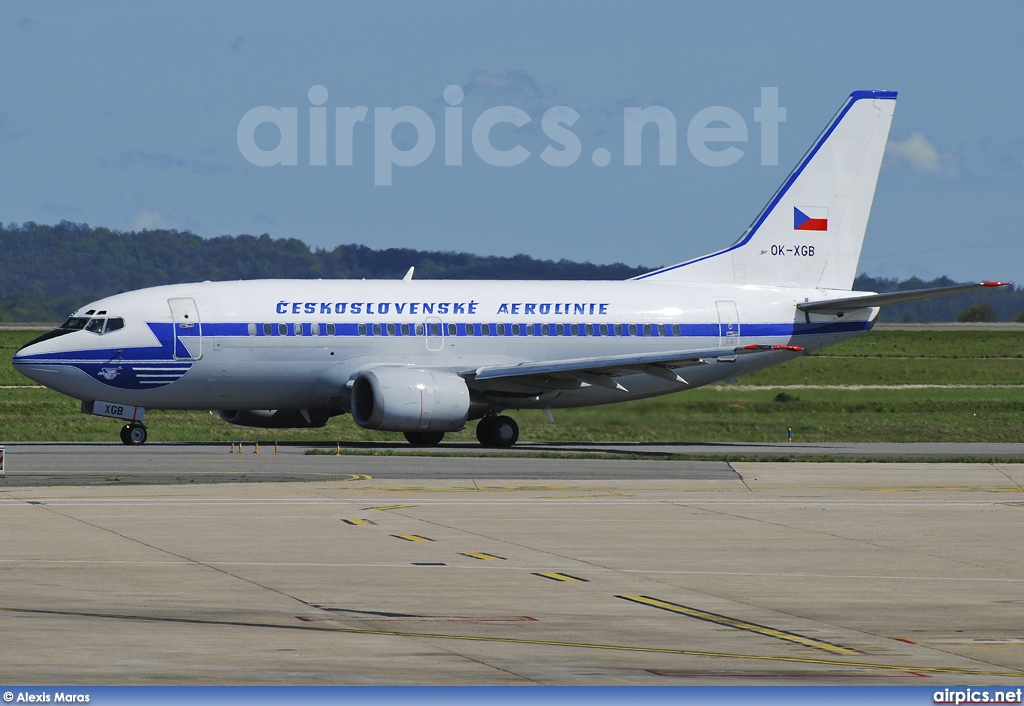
x=51 y=270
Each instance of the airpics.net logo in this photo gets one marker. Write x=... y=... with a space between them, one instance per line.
x=713 y=135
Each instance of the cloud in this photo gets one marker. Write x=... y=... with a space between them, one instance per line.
x=922 y=155
x=513 y=84
x=149 y=220
x=162 y=160
x=991 y=158
x=515 y=87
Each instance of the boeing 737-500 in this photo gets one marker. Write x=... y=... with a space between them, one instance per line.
x=427 y=357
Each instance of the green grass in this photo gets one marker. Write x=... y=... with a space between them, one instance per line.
x=714 y=414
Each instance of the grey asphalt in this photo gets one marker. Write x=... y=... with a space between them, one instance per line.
x=415 y=570
x=114 y=463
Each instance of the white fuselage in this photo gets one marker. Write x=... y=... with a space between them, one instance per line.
x=293 y=344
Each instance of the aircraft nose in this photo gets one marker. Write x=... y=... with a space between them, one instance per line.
x=30 y=361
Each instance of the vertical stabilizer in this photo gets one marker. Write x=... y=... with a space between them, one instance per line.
x=811 y=232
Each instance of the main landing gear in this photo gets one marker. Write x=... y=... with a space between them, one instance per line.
x=133 y=434
x=498 y=432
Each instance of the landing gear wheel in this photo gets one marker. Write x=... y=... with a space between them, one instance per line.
x=497 y=432
x=424 y=438
x=133 y=434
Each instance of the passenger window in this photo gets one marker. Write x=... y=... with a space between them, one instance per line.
x=95 y=325
x=251 y=327
x=115 y=324
x=559 y=330
x=485 y=329
x=647 y=329
x=297 y=328
x=632 y=329
x=376 y=329
x=603 y=329
x=675 y=329
x=618 y=329
x=661 y=329
x=499 y=329
x=391 y=329
x=362 y=329
x=530 y=329
x=268 y=330
x=330 y=329
x=314 y=329
x=515 y=329
x=419 y=329
x=574 y=329
x=282 y=329
x=453 y=330
x=545 y=329
x=470 y=329
x=405 y=329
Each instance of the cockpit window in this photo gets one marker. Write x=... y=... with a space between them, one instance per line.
x=93 y=324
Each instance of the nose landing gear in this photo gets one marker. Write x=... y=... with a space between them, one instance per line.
x=134 y=434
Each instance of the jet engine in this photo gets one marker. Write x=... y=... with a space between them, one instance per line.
x=277 y=418
x=410 y=399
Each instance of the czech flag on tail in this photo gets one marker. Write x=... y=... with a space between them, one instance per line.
x=810 y=218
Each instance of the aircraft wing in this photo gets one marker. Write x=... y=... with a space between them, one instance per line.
x=840 y=306
x=602 y=371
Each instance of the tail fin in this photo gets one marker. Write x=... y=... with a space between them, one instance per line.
x=810 y=233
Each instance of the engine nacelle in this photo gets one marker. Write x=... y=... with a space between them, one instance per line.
x=410 y=399
x=277 y=418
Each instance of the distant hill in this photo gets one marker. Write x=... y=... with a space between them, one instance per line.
x=49 y=271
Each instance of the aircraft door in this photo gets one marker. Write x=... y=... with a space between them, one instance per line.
x=728 y=324
x=188 y=334
x=434 y=331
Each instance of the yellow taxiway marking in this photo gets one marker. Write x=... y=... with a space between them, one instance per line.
x=390 y=507
x=483 y=555
x=357 y=521
x=413 y=538
x=358 y=476
x=741 y=625
x=555 y=576
x=522 y=641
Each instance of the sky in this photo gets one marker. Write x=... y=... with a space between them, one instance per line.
x=500 y=128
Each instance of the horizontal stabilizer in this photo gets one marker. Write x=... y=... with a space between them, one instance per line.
x=840 y=306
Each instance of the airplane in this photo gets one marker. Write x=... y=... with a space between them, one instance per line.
x=426 y=357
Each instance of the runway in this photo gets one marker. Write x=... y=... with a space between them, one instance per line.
x=108 y=462
x=413 y=570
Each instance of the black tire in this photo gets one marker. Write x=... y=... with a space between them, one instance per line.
x=484 y=431
x=497 y=432
x=133 y=434
x=424 y=438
